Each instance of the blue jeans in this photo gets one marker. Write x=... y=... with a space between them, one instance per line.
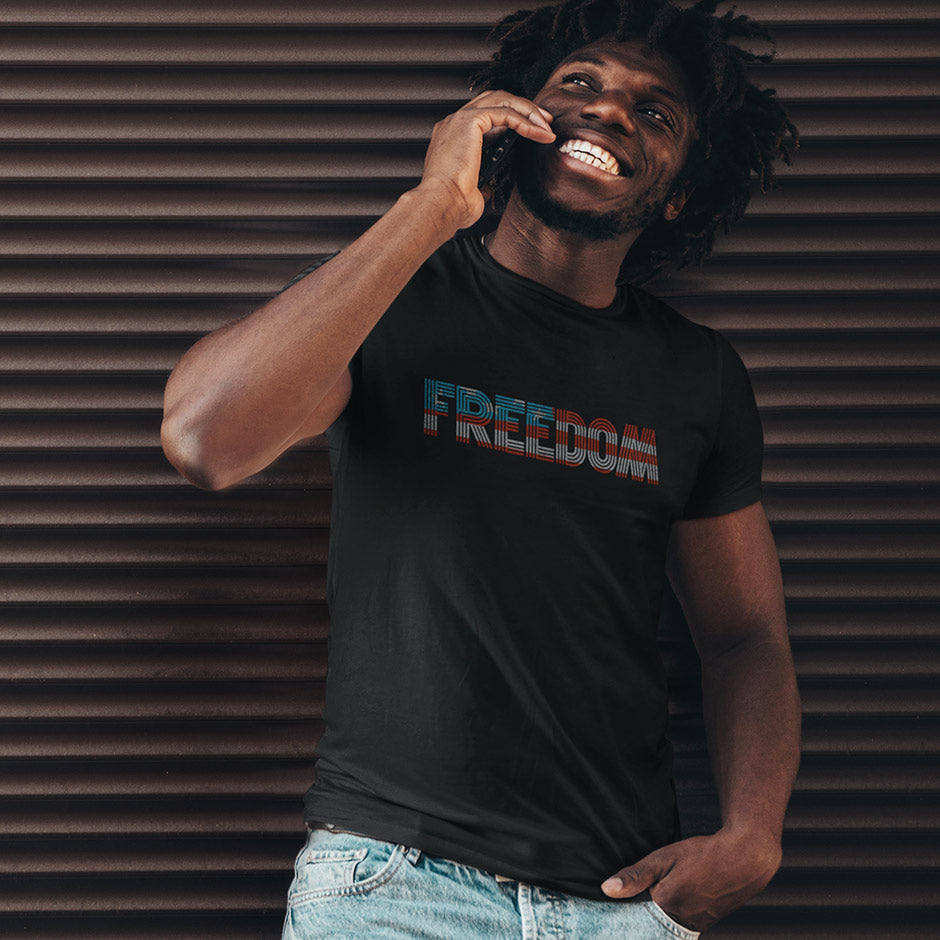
x=350 y=887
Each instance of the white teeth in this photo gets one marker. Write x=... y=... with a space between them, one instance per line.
x=591 y=154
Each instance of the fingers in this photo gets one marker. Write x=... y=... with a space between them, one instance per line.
x=452 y=161
x=636 y=878
x=498 y=120
x=497 y=111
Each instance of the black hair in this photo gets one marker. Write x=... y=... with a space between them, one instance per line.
x=741 y=128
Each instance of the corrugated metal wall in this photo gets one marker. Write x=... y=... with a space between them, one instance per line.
x=165 y=168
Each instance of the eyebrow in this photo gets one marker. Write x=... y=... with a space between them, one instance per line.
x=595 y=60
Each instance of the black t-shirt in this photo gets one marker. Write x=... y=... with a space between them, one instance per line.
x=505 y=477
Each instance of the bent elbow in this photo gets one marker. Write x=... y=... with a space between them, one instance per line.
x=185 y=449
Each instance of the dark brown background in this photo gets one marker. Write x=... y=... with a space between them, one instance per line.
x=165 y=167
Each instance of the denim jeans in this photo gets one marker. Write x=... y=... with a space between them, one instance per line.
x=351 y=887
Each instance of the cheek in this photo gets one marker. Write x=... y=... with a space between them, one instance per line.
x=543 y=101
x=664 y=162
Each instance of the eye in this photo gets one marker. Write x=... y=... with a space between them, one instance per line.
x=659 y=115
x=578 y=78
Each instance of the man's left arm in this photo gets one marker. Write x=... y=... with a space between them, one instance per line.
x=726 y=575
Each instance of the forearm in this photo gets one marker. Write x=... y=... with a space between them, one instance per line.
x=752 y=719
x=237 y=398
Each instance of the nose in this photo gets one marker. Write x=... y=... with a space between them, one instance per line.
x=613 y=108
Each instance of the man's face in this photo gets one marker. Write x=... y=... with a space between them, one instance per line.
x=624 y=126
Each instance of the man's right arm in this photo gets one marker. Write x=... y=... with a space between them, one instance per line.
x=245 y=393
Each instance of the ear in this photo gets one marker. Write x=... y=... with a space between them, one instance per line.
x=675 y=204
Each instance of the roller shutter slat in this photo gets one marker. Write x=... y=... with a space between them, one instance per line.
x=149 y=855
x=853 y=580
x=130 y=317
x=76 y=895
x=730 y=276
x=138 y=662
x=92 y=546
x=879 y=157
x=183 y=585
x=759 y=350
x=126 y=468
x=481 y=13
x=134 y=701
x=96 y=779
x=249 y=238
x=805 y=199
x=158 y=741
x=808 y=199
x=220 y=623
x=858 y=466
x=886 y=504
x=185 y=161
x=447 y=86
x=898 y=429
x=864 y=426
x=282 y=123
x=185 y=508
x=882 y=773
x=851 y=618
x=340 y=46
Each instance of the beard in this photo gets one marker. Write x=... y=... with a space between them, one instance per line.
x=595 y=226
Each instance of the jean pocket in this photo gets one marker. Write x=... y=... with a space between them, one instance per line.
x=674 y=928
x=335 y=864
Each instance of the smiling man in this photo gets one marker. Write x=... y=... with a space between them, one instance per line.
x=524 y=446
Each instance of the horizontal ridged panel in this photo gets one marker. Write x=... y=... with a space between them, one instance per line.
x=335 y=162
x=102 y=202
x=339 y=46
x=123 y=124
x=415 y=13
x=164 y=170
x=222 y=622
x=769 y=237
x=128 y=318
x=729 y=275
x=444 y=85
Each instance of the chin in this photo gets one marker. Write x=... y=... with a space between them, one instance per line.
x=560 y=214
x=588 y=223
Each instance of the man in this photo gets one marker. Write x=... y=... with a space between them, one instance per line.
x=523 y=446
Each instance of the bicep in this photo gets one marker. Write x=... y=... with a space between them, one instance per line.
x=726 y=574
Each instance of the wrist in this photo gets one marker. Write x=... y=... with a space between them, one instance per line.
x=439 y=206
x=759 y=845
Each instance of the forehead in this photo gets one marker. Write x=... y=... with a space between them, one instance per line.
x=634 y=55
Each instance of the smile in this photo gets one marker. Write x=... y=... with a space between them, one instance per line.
x=592 y=155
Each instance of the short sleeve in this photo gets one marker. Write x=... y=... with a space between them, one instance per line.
x=730 y=476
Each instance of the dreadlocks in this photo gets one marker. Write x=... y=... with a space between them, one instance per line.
x=740 y=127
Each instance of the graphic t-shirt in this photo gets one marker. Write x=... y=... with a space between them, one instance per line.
x=505 y=476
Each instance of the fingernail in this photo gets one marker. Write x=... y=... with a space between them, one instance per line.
x=612 y=884
x=548 y=114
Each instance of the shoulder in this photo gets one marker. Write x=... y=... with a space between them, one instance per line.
x=689 y=344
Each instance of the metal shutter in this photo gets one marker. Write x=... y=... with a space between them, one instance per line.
x=165 y=168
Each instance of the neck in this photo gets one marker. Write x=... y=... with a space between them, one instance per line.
x=569 y=264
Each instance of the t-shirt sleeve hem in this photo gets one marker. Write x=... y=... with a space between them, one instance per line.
x=719 y=507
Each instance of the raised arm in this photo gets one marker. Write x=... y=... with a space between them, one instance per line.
x=245 y=393
x=726 y=575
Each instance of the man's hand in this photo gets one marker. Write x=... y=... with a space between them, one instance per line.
x=698 y=881
x=452 y=163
